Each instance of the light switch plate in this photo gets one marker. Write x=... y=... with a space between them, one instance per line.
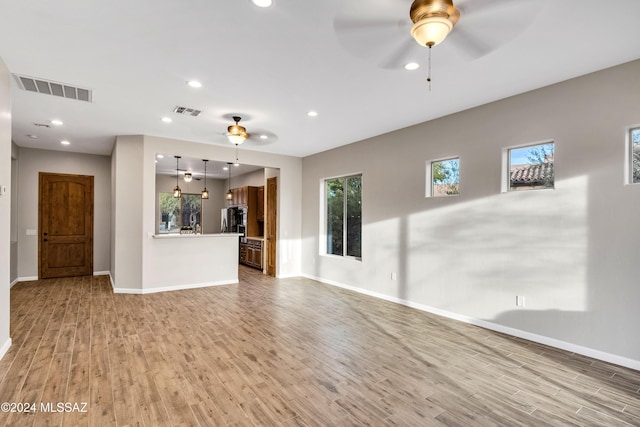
x=3 y=190
x=31 y=232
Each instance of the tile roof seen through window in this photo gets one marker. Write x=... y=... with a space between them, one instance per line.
x=531 y=174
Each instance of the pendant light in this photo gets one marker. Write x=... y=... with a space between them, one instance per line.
x=229 y=193
x=205 y=192
x=177 y=192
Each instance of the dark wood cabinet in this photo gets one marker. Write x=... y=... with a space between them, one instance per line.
x=260 y=207
x=251 y=253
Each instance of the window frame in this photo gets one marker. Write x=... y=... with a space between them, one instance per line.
x=506 y=166
x=324 y=216
x=179 y=225
x=628 y=164
x=429 y=190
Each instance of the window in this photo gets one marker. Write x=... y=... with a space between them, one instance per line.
x=635 y=155
x=531 y=167
x=176 y=213
x=343 y=198
x=443 y=177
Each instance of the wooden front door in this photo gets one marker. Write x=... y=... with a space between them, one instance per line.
x=272 y=222
x=65 y=224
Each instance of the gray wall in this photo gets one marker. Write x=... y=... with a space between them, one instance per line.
x=30 y=163
x=571 y=252
x=126 y=237
x=5 y=206
x=254 y=179
x=13 y=275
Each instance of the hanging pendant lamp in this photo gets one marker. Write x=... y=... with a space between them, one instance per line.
x=205 y=192
x=177 y=192
x=229 y=193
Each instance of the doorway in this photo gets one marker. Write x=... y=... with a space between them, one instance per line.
x=65 y=225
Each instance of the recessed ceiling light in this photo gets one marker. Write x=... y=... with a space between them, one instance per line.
x=167 y=119
x=264 y=137
x=56 y=122
x=194 y=83
x=312 y=114
x=262 y=3
x=236 y=164
x=160 y=156
x=226 y=168
x=412 y=66
x=33 y=136
x=65 y=142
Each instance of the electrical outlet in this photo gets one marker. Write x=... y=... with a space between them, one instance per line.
x=520 y=301
x=394 y=276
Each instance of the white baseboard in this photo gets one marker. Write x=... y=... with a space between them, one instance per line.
x=552 y=342
x=23 y=279
x=102 y=273
x=173 y=288
x=5 y=348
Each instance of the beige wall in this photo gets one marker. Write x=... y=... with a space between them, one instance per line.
x=254 y=179
x=127 y=233
x=30 y=163
x=13 y=276
x=571 y=252
x=5 y=206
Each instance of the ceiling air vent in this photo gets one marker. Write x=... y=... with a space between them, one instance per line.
x=187 y=111
x=48 y=87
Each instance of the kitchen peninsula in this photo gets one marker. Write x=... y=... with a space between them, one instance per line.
x=184 y=261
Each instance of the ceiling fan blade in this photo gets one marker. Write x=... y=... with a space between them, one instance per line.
x=344 y=25
x=471 y=46
x=487 y=6
x=400 y=54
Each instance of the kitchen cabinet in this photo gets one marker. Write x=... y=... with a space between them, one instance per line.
x=260 y=207
x=251 y=253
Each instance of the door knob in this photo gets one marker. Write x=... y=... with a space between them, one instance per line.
x=45 y=240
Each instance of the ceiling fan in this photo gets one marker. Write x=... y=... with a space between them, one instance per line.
x=385 y=32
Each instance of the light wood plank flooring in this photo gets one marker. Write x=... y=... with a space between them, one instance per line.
x=286 y=352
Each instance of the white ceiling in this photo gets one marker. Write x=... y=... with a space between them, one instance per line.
x=342 y=58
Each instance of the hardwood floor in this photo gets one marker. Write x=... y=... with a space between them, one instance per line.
x=285 y=352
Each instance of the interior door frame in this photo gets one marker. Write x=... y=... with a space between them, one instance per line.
x=89 y=212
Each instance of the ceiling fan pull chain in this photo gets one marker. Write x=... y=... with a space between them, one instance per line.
x=429 y=76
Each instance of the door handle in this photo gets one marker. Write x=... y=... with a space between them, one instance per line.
x=45 y=234
x=45 y=240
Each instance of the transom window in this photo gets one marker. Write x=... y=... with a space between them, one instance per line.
x=443 y=177
x=531 y=167
x=635 y=155
x=343 y=201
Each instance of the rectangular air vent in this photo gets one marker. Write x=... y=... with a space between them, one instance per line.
x=48 y=87
x=187 y=111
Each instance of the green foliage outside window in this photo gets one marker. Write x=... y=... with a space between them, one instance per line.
x=446 y=177
x=344 y=216
x=176 y=213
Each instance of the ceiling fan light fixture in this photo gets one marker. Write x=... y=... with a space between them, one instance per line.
x=236 y=133
x=188 y=177
x=431 y=31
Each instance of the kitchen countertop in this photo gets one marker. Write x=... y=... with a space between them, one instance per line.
x=192 y=236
